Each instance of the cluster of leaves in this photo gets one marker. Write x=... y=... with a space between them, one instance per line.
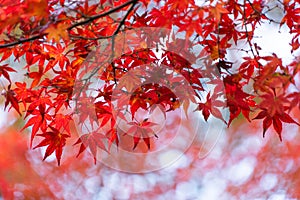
x=55 y=37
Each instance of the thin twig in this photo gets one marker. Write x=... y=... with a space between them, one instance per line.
x=92 y=18
x=115 y=33
x=20 y=41
x=246 y=30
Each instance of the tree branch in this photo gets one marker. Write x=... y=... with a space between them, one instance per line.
x=116 y=32
x=90 y=19
x=22 y=41
x=126 y=15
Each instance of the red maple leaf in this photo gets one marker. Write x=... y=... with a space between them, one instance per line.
x=211 y=107
x=141 y=130
x=55 y=140
x=11 y=98
x=238 y=101
x=274 y=111
x=38 y=121
x=4 y=69
x=92 y=140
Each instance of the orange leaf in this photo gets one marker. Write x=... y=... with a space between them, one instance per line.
x=57 y=32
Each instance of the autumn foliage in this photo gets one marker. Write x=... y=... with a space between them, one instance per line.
x=54 y=41
x=103 y=75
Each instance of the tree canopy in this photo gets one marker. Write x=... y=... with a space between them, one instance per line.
x=106 y=62
x=125 y=79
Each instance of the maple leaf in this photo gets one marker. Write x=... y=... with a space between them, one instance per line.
x=25 y=95
x=105 y=92
x=237 y=100
x=40 y=105
x=137 y=101
x=273 y=75
x=87 y=9
x=62 y=121
x=247 y=68
x=291 y=15
x=276 y=119
x=210 y=107
x=57 y=32
x=103 y=112
x=159 y=18
x=273 y=111
x=63 y=85
x=112 y=137
x=92 y=140
x=274 y=103
x=40 y=118
x=38 y=8
x=4 y=69
x=163 y=96
x=56 y=55
x=193 y=76
x=218 y=10
x=215 y=52
x=55 y=140
x=86 y=108
x=36 y=76
x=141 y=130
x=181 y=5
x=10 y=96
x=131 y=80
x=6 y=53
